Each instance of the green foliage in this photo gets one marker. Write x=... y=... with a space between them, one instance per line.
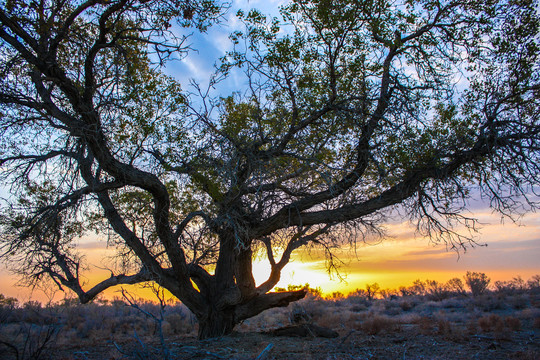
x=350 y=109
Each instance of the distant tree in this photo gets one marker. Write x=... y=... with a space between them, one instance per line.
x=518 y=283
x=456 y=286
x=502 y=286
x=418 y=287
x=388 y=293
x=372 y=290
x=351 y=109
x=477 y=282
x=436 y=290
x=9 y=302
x=534 y=282
x=336 y=295
x=405 y=291
x=358 y=293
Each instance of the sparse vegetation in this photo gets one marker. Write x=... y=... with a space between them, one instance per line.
x=366 y=320
x=315 y=124
x=477 y=282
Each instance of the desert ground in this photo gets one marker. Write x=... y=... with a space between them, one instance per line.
x=428 y=320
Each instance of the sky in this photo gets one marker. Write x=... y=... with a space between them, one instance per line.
x=512 y=248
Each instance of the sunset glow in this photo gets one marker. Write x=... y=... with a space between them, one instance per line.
x=512 y=250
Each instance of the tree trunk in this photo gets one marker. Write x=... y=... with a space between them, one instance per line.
x=219 y=321
x=216 y=323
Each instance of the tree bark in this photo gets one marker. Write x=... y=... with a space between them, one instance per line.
x=263 y=302
x=216 y=323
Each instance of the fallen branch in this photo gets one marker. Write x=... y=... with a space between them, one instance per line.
x=304 y=330
x=265 y=352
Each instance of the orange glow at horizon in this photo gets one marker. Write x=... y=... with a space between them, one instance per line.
x=512 y=250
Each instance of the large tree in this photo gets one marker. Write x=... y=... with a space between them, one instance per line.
x=350 y=109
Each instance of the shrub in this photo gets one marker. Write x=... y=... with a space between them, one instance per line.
x=491 y=322
x=477 y=282
x=178 y=324
x=519 y=302
x=405 y=291
x=503 y=287
x=376 y=323
x=490 y=303
x=456 y=286
x=359 y=308
x=359 y=297
x=518 y=283
x=436 y=290
x=336 y=295
x=534 y=282
x=406 y=305
x=389 y=294
x=512 y=323
x=392 y=308
x=372 y=290
x=8 y=302
x=444 y=327
x=425 y=325
x=418 y=288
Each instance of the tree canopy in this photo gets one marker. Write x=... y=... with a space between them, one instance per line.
x=350 y=109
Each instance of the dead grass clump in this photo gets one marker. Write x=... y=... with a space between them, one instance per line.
x=408 y=318
x=490 y=303
x=315 y=307
x=472 y=327
x=406 y=305
x=491 y=322
x=167 y=328
x=392 y=308
x=359 y=308
x=512 y=323
x=334 y=319
x=451 y=331
x=425 y=325
x=377 y=323
x=536 y=323
x=268 y=319
x=74 y=320
x=444 y=327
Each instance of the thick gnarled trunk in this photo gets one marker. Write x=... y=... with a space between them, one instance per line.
x=230 y=294
x=218 y=322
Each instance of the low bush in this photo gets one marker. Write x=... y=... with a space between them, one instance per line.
x=377 y=323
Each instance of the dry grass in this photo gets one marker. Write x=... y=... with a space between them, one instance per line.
x=512 y=323
x=377 y=323
x=425 y=325
x=491 y=322
x=365 y=325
